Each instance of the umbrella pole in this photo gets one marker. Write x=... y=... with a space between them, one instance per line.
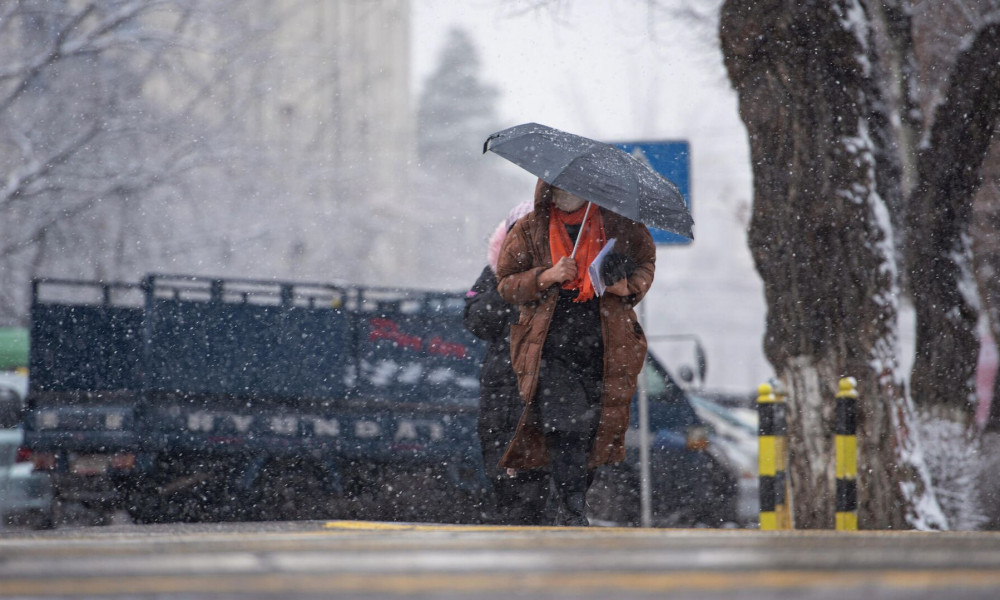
x=579 y=235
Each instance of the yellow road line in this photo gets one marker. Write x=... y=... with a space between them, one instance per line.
x=499 y=583
x=378 y=526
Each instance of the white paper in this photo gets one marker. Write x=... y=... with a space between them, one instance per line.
x=595 y=267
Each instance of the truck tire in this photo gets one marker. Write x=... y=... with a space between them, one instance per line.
x=293 y=490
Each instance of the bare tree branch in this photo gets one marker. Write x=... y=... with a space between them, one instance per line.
x=21 y=179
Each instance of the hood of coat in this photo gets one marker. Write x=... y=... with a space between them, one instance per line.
x=543 y=195
x=498 y=235
x=493 y=246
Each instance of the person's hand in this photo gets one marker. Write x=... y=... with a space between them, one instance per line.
x=511 y=472
x=564 y=270
x=620 y=288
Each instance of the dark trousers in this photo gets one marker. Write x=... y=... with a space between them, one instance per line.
x=570 y=475
x=568 y=460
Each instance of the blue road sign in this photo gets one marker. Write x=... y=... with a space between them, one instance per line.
x=673 y=161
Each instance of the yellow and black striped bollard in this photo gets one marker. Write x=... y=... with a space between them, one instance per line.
x=846 y=448
x=770 y=461
x=782 y=506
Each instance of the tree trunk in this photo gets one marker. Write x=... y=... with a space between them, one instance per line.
x=939 y=255
x=821 y=239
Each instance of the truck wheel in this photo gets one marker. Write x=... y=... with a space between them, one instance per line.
x=292 y=490
x=39 y=519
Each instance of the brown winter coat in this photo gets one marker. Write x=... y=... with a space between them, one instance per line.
x=523 y=257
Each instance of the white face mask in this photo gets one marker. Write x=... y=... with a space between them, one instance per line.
x=566 y=201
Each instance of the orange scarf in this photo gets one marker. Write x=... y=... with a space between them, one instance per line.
x=591 y=241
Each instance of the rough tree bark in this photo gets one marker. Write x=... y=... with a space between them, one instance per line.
x=939 y=256
x=897 y=109
x=821 y=239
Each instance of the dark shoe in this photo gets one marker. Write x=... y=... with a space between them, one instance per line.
x=574 y=511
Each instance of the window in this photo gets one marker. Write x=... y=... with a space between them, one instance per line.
x=656 y=384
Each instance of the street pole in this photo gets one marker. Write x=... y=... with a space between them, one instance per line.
x=645 y=487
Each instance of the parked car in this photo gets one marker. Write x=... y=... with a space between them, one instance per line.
x=25 y=494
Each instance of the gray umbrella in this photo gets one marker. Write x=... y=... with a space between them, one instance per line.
x=597 y=172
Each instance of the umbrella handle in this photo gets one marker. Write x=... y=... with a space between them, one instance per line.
x=579 y=235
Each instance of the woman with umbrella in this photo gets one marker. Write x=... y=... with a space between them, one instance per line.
x=577 y=355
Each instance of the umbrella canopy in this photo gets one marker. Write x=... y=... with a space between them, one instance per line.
x=597 y=172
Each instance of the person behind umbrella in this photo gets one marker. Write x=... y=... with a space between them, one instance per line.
x=577 y=356
x=519 y=500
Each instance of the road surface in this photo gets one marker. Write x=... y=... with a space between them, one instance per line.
x=347 y=559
